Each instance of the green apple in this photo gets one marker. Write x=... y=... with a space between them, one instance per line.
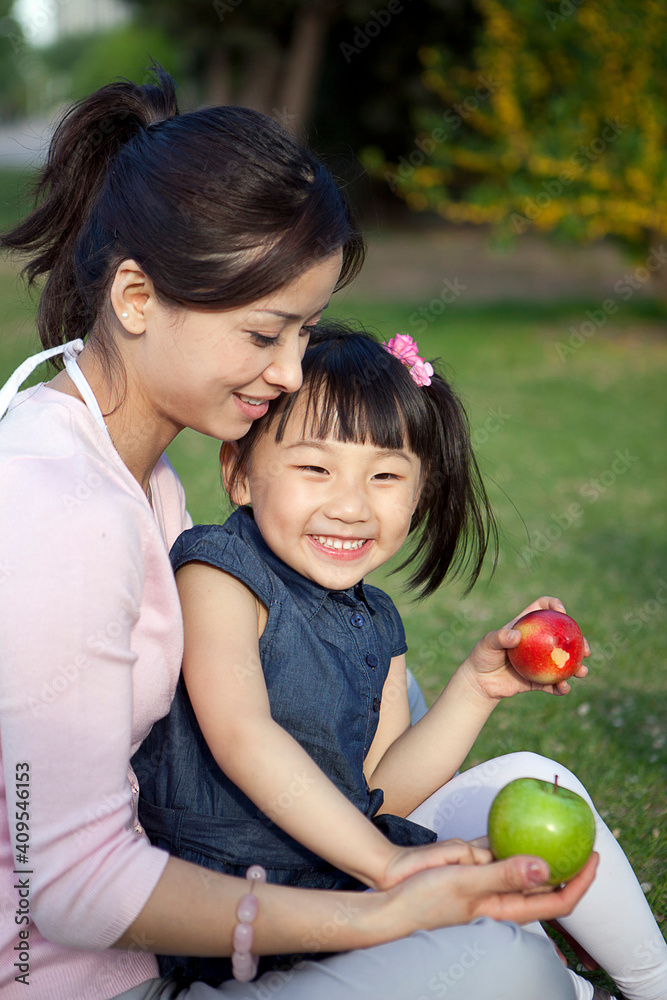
x=529 y=816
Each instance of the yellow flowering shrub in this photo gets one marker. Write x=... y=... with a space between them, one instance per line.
x=558 y=124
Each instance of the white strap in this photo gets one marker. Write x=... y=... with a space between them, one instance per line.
x=70 y=352
x=81 y=382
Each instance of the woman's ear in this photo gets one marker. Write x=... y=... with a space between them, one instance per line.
x=239 y=490
x=131 y=290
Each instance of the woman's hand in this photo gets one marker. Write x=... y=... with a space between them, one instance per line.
x=503 y=890
x=488 y=667
x=407 y=861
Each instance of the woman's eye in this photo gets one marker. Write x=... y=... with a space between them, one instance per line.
x=262 y=340
x=307 y=330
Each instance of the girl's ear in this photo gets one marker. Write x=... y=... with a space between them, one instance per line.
x=239 y=490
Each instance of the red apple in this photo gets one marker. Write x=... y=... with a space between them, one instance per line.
x=551 y=647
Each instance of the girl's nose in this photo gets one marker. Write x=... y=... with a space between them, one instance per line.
x=349 y=504
x=284 y=372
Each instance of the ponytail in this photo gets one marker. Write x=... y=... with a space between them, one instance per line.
x=453 y=523
x=86 y=140
x=219 y=207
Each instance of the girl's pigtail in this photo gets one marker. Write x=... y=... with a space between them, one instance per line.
x=454 y=513
x=83 y=146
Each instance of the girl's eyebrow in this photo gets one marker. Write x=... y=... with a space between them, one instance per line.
x=324 y=446
x=308 y=443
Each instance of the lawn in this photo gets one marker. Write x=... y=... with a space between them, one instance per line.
x=570 y=436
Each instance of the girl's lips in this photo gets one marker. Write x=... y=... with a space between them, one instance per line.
x=341 y=554
x=252 y=411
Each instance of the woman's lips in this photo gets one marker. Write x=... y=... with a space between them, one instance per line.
x=345 y=549
x=252 y=407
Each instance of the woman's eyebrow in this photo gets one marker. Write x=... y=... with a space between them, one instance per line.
x=288 y=315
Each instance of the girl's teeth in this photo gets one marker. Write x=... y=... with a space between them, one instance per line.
x=338 y=543
x=254 y=402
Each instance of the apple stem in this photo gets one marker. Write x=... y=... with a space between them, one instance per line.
x=555 y=783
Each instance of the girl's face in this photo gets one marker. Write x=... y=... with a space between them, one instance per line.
x=215 y=370
x=331 y=510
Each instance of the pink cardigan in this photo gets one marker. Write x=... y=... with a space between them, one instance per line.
x=90 y=651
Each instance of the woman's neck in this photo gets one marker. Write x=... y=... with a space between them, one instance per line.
x=138 y=439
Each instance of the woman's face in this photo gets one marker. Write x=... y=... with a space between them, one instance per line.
x=217 y=370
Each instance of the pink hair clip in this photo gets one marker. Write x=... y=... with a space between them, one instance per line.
x=403 y=347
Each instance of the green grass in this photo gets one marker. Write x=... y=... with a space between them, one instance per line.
x=573 y=454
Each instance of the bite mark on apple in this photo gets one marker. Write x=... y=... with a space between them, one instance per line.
x=560 y=657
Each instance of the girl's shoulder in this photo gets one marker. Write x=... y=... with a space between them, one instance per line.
x=230 y=547
x=387 y=619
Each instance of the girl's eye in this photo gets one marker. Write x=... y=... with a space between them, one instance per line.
x=261 y=340
x=384 y=477
x=314 y=468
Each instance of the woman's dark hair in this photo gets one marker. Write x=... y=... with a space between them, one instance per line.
x=355 y=390
x=219 y=206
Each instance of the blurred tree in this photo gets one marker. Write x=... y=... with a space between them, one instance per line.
x=13 y=48
x=555 y=122
x=249 y=52
x=337 y=62
x=79 y=64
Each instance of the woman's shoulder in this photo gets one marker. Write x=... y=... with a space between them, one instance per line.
x=59 y=474
x=169 y=501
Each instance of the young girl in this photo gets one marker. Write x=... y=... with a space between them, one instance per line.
x=289 y=742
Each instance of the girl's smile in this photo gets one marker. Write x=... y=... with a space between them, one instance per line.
x=346 y=549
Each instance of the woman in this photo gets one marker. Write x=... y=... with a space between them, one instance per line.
x=192 y=253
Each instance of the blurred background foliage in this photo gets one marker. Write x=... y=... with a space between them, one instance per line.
x=554 y=119
x=519 y=115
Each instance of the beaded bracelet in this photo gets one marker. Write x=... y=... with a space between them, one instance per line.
x=244 y=965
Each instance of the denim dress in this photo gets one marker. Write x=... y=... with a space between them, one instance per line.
x=325 y=656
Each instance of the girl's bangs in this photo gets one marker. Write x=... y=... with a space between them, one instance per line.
x=350 y=407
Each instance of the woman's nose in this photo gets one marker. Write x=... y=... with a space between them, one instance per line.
x=284 y=372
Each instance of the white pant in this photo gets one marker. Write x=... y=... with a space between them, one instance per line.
x=480 y=961
x=484 y=960
x=613 y=921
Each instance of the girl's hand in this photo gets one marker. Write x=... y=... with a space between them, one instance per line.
x=488 y=667
x=408 y=861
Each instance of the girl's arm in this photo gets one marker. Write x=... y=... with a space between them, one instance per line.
x=410 y=763
x=225 y=682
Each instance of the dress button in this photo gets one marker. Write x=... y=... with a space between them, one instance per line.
x=357 y=620
x=371 y=660
x=376 y=704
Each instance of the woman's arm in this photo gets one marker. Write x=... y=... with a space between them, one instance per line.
x=193 y=911
x=67 y=683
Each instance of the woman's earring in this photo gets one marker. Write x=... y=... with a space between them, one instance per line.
x=124 y=315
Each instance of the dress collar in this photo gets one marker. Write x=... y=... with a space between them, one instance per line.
x=309 y=596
